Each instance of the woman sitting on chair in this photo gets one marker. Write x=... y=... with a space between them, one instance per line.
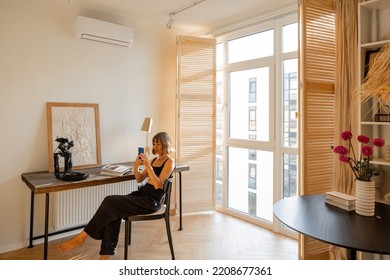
x=105 y=224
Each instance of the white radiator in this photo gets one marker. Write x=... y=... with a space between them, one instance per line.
x=76 y=207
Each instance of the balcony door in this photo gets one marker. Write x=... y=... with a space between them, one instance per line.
x=257 y=139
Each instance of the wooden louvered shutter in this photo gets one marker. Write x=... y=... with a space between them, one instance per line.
x=196 y=120
x=317 y=56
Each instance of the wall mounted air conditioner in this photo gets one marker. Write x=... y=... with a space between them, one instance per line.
x=103 y=32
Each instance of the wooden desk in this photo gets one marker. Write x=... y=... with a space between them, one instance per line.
x=310 y=215
x=45 y=183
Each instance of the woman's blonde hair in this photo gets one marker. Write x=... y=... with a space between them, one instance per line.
x=165 y=141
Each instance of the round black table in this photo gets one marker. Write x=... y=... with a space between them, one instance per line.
x=310 y=216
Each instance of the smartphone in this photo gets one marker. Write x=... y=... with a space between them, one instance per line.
x=141 y=150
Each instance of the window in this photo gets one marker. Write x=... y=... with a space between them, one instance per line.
x=252 y=118
x=252 y=176
x=290 y=176
x=220 y=104
x=252 y=155
x=252 y=90
x=240 y=107
x=252 y=209
x=218 y=180
x=289 y=40
x=251 y=47
x=290 y=102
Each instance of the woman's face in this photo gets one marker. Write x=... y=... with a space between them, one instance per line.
x=158 y=148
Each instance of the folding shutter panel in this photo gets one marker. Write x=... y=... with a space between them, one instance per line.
x=196 y=120
x=317 y=55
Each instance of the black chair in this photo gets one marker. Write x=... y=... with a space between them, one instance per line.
x=163 y=213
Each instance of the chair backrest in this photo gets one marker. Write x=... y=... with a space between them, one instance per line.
x=167 y=187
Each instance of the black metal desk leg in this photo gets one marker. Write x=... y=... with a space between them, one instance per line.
x=351 y=254
x=180 y=202
x=30 y=245
x=46 y=228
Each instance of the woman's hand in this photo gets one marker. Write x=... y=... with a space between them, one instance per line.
x=142 y=159
x=137 y=162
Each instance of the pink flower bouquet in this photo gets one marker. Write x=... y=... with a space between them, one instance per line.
x=360 y=166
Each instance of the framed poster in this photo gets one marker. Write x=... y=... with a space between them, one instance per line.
x=77 y=122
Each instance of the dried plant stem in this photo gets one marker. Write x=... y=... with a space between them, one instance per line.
x=377 y=82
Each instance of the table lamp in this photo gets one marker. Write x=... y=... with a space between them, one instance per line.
x=147 y=128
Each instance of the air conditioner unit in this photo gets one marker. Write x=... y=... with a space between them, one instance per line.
x=103 y=32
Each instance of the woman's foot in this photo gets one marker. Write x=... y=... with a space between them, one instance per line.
x=73 y=243
x=104 y=257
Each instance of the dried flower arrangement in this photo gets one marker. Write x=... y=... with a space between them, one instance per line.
x=377 y=82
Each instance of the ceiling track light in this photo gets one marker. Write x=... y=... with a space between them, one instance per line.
x=172 y=21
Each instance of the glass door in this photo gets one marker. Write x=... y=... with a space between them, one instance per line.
x=256 y=113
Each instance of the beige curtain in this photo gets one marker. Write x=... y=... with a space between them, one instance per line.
x=346 y=12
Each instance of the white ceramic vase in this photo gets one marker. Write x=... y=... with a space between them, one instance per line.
x=365 y=198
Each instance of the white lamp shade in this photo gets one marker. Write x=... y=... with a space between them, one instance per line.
x=147 y=125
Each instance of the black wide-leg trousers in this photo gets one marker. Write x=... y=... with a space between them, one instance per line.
x=105 y=224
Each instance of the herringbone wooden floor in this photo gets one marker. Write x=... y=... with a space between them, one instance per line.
x=206 y=236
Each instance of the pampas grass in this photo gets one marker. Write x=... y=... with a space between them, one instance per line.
x=377 y=82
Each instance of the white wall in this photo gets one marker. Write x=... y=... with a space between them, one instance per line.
x=40 y=61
